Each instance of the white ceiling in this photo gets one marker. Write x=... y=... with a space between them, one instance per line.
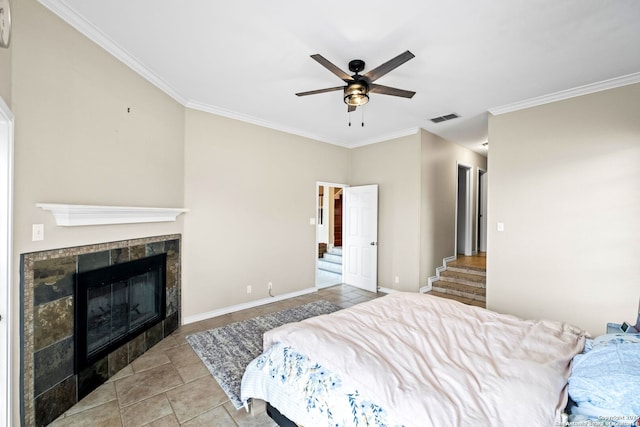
x=247 y=59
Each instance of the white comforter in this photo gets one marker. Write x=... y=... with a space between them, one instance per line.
x=435 y=362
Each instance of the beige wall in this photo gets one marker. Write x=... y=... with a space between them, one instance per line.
x=440 y=159
x=251 y=192
x=395 y=166
x=565 y=182
x=76 y=143
x=5 y=75
x=5 y=69
x=417 y=178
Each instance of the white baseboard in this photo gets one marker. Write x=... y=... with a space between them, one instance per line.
x=439 y=270
x=386 y=290
x=244 y=306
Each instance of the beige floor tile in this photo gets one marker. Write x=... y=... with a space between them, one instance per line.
x=214 y=322
x=358 y=300
x=146 y=411
x=122 y=373
x=168 y=421
x=195 y=398
x=138 y=387
x=193 y=371
x=103 y=394
x=168 y=342
x=346 y=304
x=256 y=418
x=105 y=415
x=214 y=417
x=149 y=360
x=182 y=355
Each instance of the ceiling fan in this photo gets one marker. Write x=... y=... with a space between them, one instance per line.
x=356 y=92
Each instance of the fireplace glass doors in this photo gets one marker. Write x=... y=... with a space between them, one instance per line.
x=115 y=304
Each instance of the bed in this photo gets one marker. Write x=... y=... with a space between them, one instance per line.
x=410 y=359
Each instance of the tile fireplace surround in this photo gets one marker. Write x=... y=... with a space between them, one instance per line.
x=48 y=384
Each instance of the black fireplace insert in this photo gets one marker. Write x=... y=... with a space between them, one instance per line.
x=115 y=304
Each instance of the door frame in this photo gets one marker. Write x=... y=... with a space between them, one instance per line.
x=6 y=197
x=467 y=219
x=481 y=200
x=315 y=252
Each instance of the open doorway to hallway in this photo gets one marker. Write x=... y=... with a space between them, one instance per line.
x=329 y=234
x=463 y=211
x=481 y=241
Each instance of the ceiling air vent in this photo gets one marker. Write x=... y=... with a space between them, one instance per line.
x=445 y=118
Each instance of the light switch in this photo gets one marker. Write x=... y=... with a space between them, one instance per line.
x=501 y=226
x=37 y=232
x=312 y=221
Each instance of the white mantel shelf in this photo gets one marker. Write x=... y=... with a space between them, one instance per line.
x=74 y=215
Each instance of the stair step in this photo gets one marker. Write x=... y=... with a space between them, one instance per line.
x=459 y=289
x=337 y=250
x=463 y=278
x=466 y=269
x=332 y=257
x=334 y=267
x=463 y=300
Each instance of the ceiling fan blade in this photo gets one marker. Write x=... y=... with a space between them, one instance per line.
x=331 y=67
x=351 y=108
x=386 y=90
x=313 y=92
x=392 y=64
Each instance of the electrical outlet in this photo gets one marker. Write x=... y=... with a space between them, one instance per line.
x=249 y=290
x=270 y=285
x=397 y=279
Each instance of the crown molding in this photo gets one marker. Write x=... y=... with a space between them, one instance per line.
x=386 y=137
x=259 y=122
x=74 y=215
x=71 y=17
x=569 y=93
x=267 y=124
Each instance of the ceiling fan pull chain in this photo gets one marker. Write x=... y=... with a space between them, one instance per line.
x=362 y=109
x=349 y=118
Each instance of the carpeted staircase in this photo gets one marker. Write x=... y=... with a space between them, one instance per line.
x=462 y=282
x=329 y=270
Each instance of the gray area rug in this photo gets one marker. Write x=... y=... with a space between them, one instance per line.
x=226 y=351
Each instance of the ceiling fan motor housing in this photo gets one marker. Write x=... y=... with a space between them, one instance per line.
x=356 y=65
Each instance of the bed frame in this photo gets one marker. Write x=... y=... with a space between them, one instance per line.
x=280 y=419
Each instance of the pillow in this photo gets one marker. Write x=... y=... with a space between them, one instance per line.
x=606 y=374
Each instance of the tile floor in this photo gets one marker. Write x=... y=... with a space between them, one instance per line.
x=170 y=386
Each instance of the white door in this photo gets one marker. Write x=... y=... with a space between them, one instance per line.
x=6 y=145
x=360 y=245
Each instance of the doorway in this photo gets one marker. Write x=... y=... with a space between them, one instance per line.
x=329 y=266
x=463 y=211
x=481 y=245
x=6 y=177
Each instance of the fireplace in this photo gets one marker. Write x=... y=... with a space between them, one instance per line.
x=116 y=303
x=51 y=379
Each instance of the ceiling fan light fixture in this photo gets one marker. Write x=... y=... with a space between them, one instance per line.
x=356 y=95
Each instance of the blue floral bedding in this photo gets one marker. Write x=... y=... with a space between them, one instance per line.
x=307 y=393
x=605 y=381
